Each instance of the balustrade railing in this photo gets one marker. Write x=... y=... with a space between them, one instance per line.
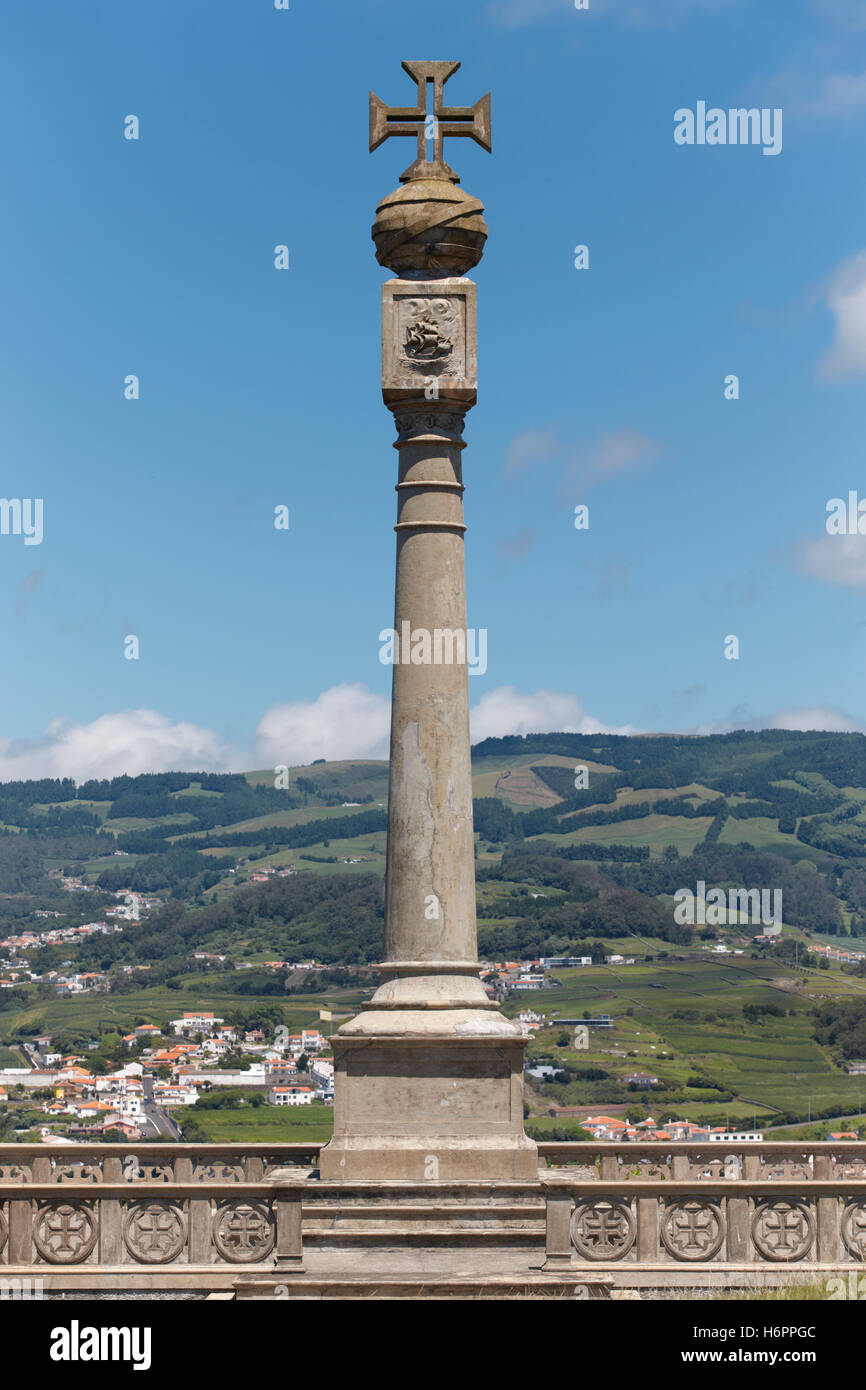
x=198 y=1215
x=115 y=1207
x=712 y=1206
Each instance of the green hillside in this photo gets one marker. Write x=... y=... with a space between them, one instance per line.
x=583 y=843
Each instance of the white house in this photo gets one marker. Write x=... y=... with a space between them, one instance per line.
x=290 y=1095
x=308 y=1040
x=164 y=1093
x=193 y=1023
x=323 y=1072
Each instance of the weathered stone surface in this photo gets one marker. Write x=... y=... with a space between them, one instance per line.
x=429 y=227
x=443 y=121
x=429 y=344
x=429 y=1077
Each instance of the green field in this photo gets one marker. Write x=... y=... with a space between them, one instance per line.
x=290 y=1124
x=774 y=1065
x=657 y=831
x=104 y=1012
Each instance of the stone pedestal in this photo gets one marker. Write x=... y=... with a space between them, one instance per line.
x=441 y=1099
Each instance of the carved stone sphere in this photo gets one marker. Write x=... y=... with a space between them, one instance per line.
x=429 y=228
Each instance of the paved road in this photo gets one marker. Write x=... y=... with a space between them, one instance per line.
x=155 y=1121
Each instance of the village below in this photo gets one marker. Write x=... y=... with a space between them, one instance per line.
x=173 y=965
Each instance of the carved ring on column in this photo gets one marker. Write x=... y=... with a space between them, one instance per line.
x=65 y=1232
x=154 y=1232
x=4 y=1231
x=853 y=1229
x=693 y=1229
x=602 y=1229
x=412 y=419
x=783 y=1230
x=243 y=1232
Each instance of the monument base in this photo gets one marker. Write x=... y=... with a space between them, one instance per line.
x=424 y=1095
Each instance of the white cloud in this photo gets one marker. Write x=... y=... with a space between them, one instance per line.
x=347 y=721
x=848 y=14
x=803 y=90
x=818 y=717
x=839 y=94
x=130 y=741
x=845 y=296
x=618 y=452
x=644 y=14
x=651 y=14
x=808 y=719
x=580 y=465
x=530 y=448
x=839 y=560
x=514 y=14
x=507 y=711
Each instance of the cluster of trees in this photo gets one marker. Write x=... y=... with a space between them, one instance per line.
x=758 y=1013
x=331 y=918
x=41 y=791
x=238 y=801
x=52 y=818
x=833 y=835
x=497 y=823
x=620 y=853
x=807 y=899
x=331 y=797
x=296 y=836
x=841 y=1024
x=184 y=870
x=21 y=868
x=588 y=903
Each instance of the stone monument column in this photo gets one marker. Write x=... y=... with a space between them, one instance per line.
x=429 y=1077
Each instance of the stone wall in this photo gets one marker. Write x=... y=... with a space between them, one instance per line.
x=199 y=1216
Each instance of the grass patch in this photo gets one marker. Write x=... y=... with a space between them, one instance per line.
x=290 y=1124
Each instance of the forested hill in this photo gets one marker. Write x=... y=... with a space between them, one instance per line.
x=744 y=758
x=813 y=785
x=578 y=837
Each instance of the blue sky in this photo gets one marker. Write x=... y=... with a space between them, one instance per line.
x=261 y=387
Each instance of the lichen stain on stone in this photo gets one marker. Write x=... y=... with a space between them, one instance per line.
x=417 y=774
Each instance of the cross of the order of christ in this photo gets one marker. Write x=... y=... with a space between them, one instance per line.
x=443 y=120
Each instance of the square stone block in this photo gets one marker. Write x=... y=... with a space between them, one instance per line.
x=429 y=340
x=438 y=1111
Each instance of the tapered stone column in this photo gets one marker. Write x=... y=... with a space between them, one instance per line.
x=429 y=1077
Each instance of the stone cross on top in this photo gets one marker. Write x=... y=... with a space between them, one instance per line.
x=443 y=120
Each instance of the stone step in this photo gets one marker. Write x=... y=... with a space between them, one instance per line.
x=429 y=1287
x=428 y=1211
x=528 y=1237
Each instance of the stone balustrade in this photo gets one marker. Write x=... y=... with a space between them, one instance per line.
x=201 y=1216
x=159 y=1215
x=715 y=1214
